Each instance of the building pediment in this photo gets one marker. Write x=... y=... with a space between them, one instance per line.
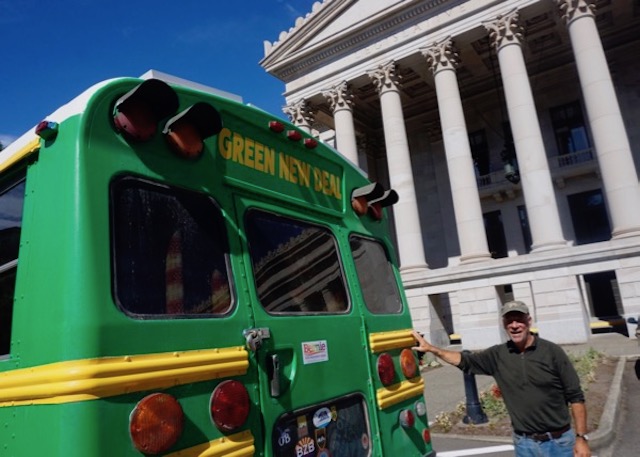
x=338 y=27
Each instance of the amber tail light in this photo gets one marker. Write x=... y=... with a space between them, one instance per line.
x=156 y=423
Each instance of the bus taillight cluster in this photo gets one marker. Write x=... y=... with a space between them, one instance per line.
x=293 y=135
x=371 y=199
x=138 y=112
x=156 y=423
x=387 y=376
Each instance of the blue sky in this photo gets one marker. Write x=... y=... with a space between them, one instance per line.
x=52 y=50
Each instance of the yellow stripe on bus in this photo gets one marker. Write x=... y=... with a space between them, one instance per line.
x=390 y=395
x=384 y=341
x=90 y=379
x=28 y=149
x=238 y=445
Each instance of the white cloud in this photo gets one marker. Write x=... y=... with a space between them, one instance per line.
x=6 y=140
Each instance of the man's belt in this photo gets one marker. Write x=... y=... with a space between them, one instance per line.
x=544 y=436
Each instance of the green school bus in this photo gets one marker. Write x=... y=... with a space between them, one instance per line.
x=185 y=275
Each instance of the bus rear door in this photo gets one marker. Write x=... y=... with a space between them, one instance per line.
x=314 y=372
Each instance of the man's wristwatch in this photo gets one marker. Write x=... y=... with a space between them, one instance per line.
x=584 y=436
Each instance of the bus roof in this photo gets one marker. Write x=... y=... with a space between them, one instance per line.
x=29 y=141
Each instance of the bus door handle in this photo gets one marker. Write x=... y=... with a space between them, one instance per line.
x=254 y=337
x=274 y=375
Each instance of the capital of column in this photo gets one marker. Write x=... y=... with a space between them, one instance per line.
x=339 y=97
x=441 y=56
x=575 y=9
x=385 y=78
x=300 y=113
x=505 y=29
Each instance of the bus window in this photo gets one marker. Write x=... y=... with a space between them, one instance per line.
x=11 y=200
x=170 y=251
x=377 y=280
x=295 y=264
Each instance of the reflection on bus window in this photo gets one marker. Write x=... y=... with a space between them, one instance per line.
x=296 y=266
x=377 y=281
x=170 y=251
x=11 y=201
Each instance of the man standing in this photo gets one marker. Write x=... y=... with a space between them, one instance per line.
x=537 y=381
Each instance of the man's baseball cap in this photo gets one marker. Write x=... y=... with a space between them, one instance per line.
x=512 y=306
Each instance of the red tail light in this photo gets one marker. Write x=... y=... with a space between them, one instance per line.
x=426 y=435
x=386 y=371
x=408 y=363
x=156 y=423
x=407 y=419
x=230 y=405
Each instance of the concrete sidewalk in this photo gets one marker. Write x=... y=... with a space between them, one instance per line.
x=444 y=386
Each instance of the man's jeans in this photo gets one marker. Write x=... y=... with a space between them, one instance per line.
x=561 y=447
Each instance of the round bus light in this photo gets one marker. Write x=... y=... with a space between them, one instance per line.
x=47 y=130
x=156 y=423
x=310 y=143
x=421 y=408
x=138 y=111
x=407 y=419
x=360 y=205
x=275 y=126
x=376 y=211
x=408 y=363
x=294 y=135
x=386 y=370
x=187 y=131
x=426 y=435
x=229 y=405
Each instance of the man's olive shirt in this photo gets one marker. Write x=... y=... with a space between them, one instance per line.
x=536 y=385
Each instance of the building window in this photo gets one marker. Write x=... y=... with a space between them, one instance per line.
x=524 y=226
x=495 y=234
x=570 y=131
x=589 y=216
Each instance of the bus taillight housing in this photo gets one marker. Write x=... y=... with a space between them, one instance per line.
x=138 y=112
x=229 y=405
x=156 y=423
x=187 y=131
x=371 y=199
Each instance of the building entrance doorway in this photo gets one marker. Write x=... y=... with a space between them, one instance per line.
x=605 y=303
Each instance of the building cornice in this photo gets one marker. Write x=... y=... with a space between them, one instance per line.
x=287 y=59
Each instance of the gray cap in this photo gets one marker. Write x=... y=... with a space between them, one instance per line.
x=516 y=306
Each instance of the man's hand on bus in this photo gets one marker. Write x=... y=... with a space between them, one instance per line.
x=451 y=357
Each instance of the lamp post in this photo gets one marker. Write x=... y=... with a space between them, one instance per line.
x=475 y=413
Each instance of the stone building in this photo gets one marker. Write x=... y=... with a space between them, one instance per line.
x=509 y=129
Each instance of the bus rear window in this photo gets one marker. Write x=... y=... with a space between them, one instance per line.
x=170 y=254
x=11 y=201
x=377 y=280
x=295 y=264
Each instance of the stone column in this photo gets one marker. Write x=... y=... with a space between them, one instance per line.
x=607 y=126
x=301 y=114
x=408 y=230
x=443 y=59
x=539 y=196
x=341 y=101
